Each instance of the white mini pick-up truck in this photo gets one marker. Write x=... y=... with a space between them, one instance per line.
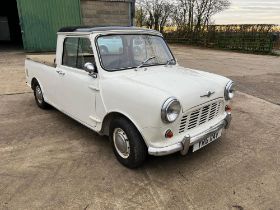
x=124 y=82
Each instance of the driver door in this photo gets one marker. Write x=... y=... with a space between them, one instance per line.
x=77 y=88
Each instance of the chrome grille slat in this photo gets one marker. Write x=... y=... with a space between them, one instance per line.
x=200 y=116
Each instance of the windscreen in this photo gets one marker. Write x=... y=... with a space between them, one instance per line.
x=120 y=52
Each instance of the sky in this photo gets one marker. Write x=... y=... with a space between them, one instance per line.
x=250 y=12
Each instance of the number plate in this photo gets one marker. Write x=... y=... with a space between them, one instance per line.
x=207 y=141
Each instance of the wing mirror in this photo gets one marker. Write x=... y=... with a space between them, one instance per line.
x=91 y=69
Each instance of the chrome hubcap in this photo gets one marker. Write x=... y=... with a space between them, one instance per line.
x=39 y=94
x=121 y=143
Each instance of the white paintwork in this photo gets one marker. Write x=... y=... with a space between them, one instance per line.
x=139 y=95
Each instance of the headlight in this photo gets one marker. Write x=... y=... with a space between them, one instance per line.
x=229 y=90
x=170 y=110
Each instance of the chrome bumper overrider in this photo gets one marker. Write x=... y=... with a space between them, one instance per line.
x=188 y=140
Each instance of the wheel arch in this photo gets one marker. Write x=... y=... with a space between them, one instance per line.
x=113 y=115
x=34 y=81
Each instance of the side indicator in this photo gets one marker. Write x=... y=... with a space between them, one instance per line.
x=228 y=109
x=169 y=134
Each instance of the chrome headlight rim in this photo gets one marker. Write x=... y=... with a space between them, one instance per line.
x=229 y=90
x=164 y=110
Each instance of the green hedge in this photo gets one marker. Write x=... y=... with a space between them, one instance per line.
x=248 y=41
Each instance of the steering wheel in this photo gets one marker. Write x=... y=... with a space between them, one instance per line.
x=103 y=50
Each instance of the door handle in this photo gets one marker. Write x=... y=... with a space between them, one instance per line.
x=60 y=72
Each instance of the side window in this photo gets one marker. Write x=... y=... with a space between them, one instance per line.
x=85 y=53
x=77 y=52
x=70 y=49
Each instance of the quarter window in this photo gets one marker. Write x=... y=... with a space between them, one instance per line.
x=77 y=52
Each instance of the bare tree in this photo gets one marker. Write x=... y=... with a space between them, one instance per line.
x=188 y=15
x=180 y=14
x=195 y=15
x=204 y=11
x=166 y=11
x=157 y=13
x=141 y=16
x=191 y=14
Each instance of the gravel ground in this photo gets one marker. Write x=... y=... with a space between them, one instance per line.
x=266 y=86
x=49 y=161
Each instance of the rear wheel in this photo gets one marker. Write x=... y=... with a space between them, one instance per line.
x=128 y=144
x=39 y=98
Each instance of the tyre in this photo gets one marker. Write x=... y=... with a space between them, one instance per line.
x=128 y=145
x=39 y=98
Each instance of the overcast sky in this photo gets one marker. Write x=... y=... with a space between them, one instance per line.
x=250 y=11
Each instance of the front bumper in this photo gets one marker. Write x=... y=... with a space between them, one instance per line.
x=188 y=140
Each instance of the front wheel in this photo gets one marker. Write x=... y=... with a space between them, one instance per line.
x=128 y=144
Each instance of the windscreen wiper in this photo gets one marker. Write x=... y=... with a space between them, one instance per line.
x=172 y=60
x=144 y=62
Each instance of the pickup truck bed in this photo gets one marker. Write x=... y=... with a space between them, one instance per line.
x=47 y=59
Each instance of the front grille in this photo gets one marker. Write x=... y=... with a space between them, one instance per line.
x=200 y=116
